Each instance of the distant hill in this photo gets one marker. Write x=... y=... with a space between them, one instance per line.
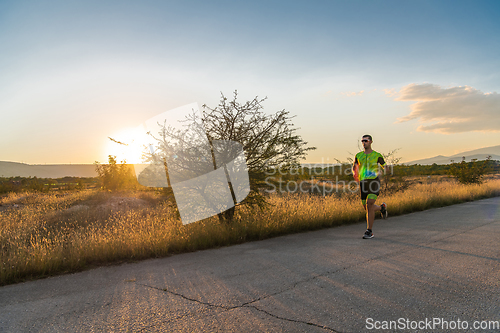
x=479 y=154
x=14 y=169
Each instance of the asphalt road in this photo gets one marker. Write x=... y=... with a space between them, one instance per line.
x=442 y=263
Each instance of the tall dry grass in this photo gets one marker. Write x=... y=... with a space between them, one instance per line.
x=46 y=234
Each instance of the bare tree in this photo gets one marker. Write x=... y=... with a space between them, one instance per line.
x=270 y=141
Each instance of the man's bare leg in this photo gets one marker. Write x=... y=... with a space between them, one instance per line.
x=370 y=208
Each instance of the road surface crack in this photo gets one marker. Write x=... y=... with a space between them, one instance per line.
x=292 y=320
x=243 y=305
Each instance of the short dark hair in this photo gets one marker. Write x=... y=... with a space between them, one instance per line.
x=368 y=136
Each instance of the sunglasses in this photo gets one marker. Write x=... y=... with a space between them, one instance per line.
x=364 y=140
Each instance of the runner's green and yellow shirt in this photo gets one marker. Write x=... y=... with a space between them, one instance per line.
x=368 y=164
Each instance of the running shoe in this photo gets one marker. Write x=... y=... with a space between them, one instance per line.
x=368 y=234
x=383 y=210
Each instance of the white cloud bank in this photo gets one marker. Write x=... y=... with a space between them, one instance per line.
x=451 y=110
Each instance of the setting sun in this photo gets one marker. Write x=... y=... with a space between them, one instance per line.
x=128 y=145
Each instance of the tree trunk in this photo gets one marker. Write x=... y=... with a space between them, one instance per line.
x=227 y=216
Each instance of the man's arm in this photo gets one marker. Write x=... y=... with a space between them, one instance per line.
x=355 y=169
x=385 y=166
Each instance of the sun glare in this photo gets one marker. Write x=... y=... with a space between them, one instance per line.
x=128 y=145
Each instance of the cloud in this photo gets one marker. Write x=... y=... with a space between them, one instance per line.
x=391 y=92
x=352 y=93
x=451 y=110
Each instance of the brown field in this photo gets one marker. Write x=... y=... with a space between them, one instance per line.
x=60 y=232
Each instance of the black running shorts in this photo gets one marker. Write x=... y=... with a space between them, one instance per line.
x=369 y=188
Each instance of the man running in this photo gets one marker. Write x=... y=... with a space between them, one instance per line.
x=365 y=171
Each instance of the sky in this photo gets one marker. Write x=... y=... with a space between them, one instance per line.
x=419 y=76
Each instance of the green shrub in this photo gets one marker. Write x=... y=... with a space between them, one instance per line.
x=116 y=177
x=470 y=172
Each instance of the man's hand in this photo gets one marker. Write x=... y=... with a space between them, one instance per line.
x=386 y=169
x=383 y=170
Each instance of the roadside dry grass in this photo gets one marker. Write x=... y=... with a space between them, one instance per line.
x=47 y=234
